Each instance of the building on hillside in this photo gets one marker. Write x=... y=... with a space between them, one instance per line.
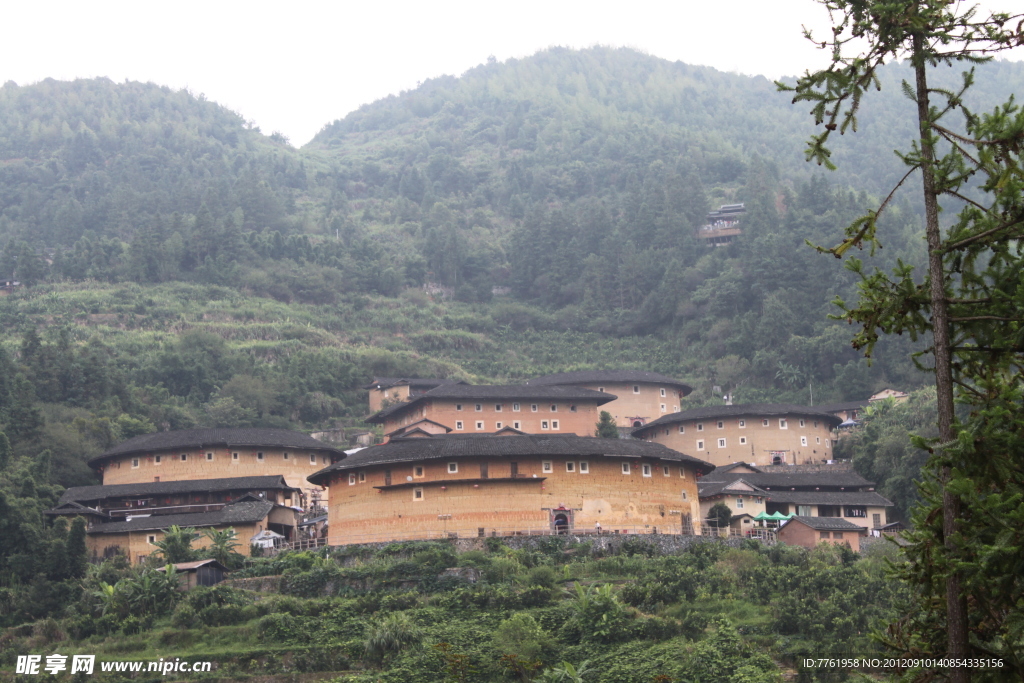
x=200 y=573
x=810 y=531
x=195 y=454
x=849 y=412
x=806 y=492
x=758 y=433
x=8 y=286
x=745 y=500
x=459 y=485
x=391 y=390
x=641 y=397
x=889 y=393
x=723 y=225
x=481 y=409
x=129 y=518
x=136 y=535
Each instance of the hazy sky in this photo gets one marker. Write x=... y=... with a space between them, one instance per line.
x=293 y=67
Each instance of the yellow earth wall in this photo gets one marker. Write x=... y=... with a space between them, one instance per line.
x=582 y=421
x=629 y=503
x=138 y=546
x=648 y=404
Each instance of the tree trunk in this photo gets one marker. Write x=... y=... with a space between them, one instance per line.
x=956 y=605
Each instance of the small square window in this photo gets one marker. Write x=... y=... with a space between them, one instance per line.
x=285 y=454
x=517 y=425
x=721 y=424
x=783 y=424
x=584 y=467
x=234 y=456
x=646 y=469
x=417 y=471
x=721 y=443
x=545 y=466
x=686 y=496
x=533 y=407
x=157 y=459
x=458 y=424
x=184 y=457
x=743 y=423
x=135 y=462
x=700 y=445
x=209 y=456
x=554 y=409
x=601 y=389
x=663 y=408
x=312 y=459
x=739 y=503
x=515 y=407
x=828 y=442
x=666 y=432
x=479 y=425
x=764 y=423
x=478 y=407
x=743 y=441
x=570 y=466
x=817 y=439
x=802 y=423
x=417 y=494
x=682 y=429
x=458 y=406
x=675 y=409
x=259 y=456
x=682 y=472
x=700 y=426
x=572 y=409
x=664 y=470
x=803 y=440
x=636 y=389
x=543 y=424
x=453 y=467
x=663 y=393
x=823 y=534
x=362 y=477
x=815 y=424
x=351 y=479
x=625 y=468
x=837 y=534
x=554 y=424
x=497 y=425
x=497 y=407
x=151 y=539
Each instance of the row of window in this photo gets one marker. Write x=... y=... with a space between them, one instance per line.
x=743 y=442
x=516 y=424
x=235 y=458
x=765 y=422
x=534 y=407
x=546 y=466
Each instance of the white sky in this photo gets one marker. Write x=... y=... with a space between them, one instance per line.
x=295 y=66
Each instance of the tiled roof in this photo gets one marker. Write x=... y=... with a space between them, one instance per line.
x=597 y=376
x=387 y=382
x=715 y=488
x=245 y=512
x=187 y=566
x=489 y=445
x=778 y=480
x=837 y=407
x=212 y=438
x=829 y=498
x=755 y=410
x=497 y=392
x=274 y=482
x=826 y=523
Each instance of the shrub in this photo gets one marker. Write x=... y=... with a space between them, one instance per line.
x=278 y=628
x=391 y=635
x=521 y=635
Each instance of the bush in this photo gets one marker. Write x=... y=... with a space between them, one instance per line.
x=278 y=628
x=185 y=616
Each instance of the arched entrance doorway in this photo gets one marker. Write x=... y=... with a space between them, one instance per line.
x=561 y=523
x=637 y=423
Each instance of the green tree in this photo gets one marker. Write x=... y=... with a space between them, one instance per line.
x=957 y=303
x=222 y=546
x=176 y=545
x=720 y=515
x=606 y=428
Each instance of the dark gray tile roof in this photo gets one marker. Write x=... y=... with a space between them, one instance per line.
x=829 y=498
x=387 y=382
x=246 y=512
x=754 y=410
x=273 y=482
x=497 y=392
x=775 y=481
x=714 y=488
x=489 y=445
x=827 y=523
x=597 y=376
x=248 y=437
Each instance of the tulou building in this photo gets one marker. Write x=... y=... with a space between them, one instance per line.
x=757 y=433
x=640 y=397
x=251 y=480
x=446 y=485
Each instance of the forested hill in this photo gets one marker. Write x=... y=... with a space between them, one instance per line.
x=182 y=268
